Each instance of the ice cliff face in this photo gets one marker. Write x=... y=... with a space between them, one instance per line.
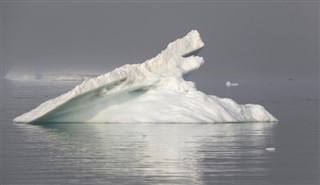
x=153 y=91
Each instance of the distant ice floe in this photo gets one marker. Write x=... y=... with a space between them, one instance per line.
x=153 y=91
x=230 y=84
x=37 y=76
x=73 y=77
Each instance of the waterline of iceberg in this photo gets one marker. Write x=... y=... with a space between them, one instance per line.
x=153 y=91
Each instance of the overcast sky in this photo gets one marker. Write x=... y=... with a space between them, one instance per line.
x=258 y=40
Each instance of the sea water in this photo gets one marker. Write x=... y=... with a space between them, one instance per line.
x=166 y=153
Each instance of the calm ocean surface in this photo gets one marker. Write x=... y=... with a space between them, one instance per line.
x=163 y=153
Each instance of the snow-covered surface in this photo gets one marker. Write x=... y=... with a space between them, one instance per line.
x=154 y=91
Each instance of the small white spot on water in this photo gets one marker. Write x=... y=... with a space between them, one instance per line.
x=270 y=149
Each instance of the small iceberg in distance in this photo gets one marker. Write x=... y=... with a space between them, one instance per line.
x=230 y=84
x=270 y=149
x=153 y=91
x=29 y=76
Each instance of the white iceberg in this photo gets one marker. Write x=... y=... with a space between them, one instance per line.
x=230 y=84
x=154 y=91
x=270 y=149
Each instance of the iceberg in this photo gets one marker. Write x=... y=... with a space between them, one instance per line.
x=270 y=149
x=153 y=91
x=230 y=84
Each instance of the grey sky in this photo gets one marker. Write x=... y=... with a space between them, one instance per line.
x=243 y=40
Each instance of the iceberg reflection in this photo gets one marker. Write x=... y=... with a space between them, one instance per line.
x=152 y=153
